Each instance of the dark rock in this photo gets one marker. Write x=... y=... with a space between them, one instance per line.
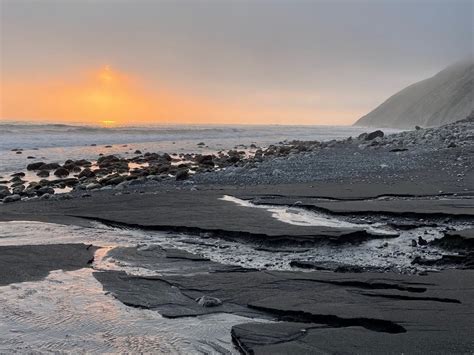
x=421 y=241
x=12 y=198
x=49 y=166
x=30 y=157
x=4 y=191
x=61 y=172
x=374 y=134
x=137 y=151
x=43 y=173
x=20 y=174
x=182 y=174
x=87 y=173
x=414 y=243
x=34 y=166
x=45 y=190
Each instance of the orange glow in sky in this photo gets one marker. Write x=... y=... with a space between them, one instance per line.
x=109 y=97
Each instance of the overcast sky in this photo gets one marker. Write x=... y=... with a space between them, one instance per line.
x=297 y=61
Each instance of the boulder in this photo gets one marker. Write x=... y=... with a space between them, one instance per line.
x=4 y=191
x=43 y=173
x=374 y=134
x=182 y=174
x=34 y=166
x=45 y=190
x=12 y=198
x=61 y=172
x=88 y=173
x=49 y=166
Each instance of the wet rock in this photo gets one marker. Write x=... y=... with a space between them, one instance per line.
x=83 y=162
x=86 y=173
x=34 y=166
x=18 y=190
x=4 y=191
x=12 y=198
x=45 y=190
x=49 y=166
x=205 y=160
x=43 y=173
x=19 y=174
x=207 y=301
x=182 y=174
x=375 y=134
x=61 y=172
x=93 y=186
x=422 y=241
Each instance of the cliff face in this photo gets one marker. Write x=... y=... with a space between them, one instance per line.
x=444 y=98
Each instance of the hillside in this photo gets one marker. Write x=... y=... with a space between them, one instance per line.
x=444 y=98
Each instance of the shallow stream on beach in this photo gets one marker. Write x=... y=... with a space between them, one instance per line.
x=69 y=311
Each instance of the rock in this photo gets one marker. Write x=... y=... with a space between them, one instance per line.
x=34 y=166
x=61 y=172
x=43 y=173
x=205 y=160
x=45 y=190
x=49 y=166
x=182 y=174
x=137 y=151
x=421 y=241
x=414 y=243
x=116 y=180
x=45 y=196
x=93 y=186
x=207 y=301
x=18 y=189
x=4 y=191
x=374 y=134
x=20 y=174
x=30 y=157
x=12 y=198
x=87 y=173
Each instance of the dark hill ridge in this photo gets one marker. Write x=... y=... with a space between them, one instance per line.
x=444 y=98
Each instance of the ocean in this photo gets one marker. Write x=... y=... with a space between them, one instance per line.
x=58 y=142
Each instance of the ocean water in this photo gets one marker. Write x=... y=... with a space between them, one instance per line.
x=58 y=142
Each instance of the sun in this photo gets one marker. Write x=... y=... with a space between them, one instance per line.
x=108 y=123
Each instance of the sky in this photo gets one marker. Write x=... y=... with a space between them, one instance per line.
x=220 y=61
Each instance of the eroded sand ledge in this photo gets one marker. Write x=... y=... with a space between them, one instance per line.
x=318 y=311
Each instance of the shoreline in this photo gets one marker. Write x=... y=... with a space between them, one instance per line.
x=423 y=199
